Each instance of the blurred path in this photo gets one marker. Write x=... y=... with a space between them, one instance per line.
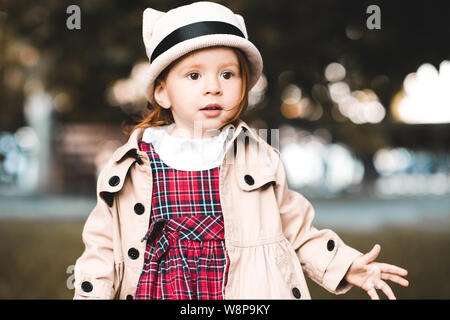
x=363 y=213
x=341 y=213
x=45 y=207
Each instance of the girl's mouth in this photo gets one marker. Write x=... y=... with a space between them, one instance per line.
x=212 y=107
x=211 y=110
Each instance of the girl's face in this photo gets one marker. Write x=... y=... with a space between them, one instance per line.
x=206 y=77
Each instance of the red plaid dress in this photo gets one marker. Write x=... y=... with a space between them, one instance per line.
x=185 y=254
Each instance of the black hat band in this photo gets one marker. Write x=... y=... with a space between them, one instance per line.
x=194 y=30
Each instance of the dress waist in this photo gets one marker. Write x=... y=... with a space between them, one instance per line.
x=165 y=233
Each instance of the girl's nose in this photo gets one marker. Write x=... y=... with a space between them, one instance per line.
x=212 y=86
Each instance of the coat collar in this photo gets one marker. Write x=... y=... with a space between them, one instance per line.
x=131 y=146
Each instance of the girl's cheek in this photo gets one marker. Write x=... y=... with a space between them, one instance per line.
x=236 y=87
x=232 y=83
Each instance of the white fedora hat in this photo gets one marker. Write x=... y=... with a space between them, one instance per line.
x=172 y=34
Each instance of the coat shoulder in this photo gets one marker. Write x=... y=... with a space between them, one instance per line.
x=112 y=176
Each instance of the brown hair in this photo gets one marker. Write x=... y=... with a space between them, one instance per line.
x=160 y=116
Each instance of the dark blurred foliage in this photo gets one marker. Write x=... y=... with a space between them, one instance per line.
x=299 y=36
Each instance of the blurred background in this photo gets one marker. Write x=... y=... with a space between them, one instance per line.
x=362 y=106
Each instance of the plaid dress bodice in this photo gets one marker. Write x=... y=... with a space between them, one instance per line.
x=185 y=254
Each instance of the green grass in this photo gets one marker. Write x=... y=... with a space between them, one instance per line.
x=35 y=256
x=425 y=254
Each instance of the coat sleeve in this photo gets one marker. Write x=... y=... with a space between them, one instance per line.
x=324 y=257
x=95 y=268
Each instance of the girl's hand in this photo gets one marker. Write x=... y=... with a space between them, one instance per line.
x=369 y=275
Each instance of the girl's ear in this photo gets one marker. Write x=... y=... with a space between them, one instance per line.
x=162 y=96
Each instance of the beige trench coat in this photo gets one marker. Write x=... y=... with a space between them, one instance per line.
x=269 y=235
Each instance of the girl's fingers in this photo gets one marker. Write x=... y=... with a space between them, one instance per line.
x=395 y=278
x=373 y=294
x=386 y=289
x=372 y=254
x=389 y=268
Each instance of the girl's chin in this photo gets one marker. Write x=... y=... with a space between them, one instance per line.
x=209 y=123
x=211 y=126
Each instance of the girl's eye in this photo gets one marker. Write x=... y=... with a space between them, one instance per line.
x=193 y=76
x=227 y=75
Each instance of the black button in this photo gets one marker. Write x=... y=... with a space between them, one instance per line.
x=86 y=286
x=249 y=179
x=129 y=297
x=114 y=181
x=330 y=245
x=133 y=253
x=296 y=293
x=139 y=208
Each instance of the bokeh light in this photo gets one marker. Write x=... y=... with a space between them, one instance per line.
x=257 y=93
x=359 y=106
x=128 y=93
x=407 y=172
x=314 y=164
x=294 y=105
x=335 y=72
x=425 y=97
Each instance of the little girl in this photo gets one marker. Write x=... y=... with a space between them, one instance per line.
x=196 y=205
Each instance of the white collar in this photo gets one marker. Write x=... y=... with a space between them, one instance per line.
x=187 y=154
